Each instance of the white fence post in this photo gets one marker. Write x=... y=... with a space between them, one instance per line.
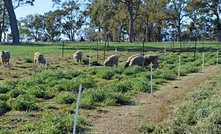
x=179 y=67
x=203 y=62
x=76 y=113
x=116 y=51
x=89 y=59
x=151 y=72
x=217 y=57
x=46 y=61
x=165 y=50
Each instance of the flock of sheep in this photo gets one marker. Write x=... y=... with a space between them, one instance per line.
x=113 y=60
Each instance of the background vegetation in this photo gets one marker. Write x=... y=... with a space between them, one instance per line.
x=35 y=100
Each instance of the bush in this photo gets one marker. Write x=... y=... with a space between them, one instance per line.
x=15 y=92
x=28 y=60
x=66 y=98
x=105 y=74
x=39 y=92
x=4 y=107
x=23 y=103
x=4 y=97
x=133 y=70
x=4 y=89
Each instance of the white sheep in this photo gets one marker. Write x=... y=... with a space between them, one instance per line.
x=39 y=58
x=153 y=59
x=143 y=61
x=137 y=60
x=111 y=61
x=5 y=55
x=129 y=59
x=78 y=56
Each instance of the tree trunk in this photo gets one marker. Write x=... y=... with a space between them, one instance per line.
x=131 y=26
x=13 y=21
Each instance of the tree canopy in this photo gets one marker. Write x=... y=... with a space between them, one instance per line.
x=115 y=20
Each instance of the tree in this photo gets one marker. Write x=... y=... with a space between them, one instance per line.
x=132 y=7
x=207 y=12
x=178 y=11
x=32 y=26
x=3 y=20
x=52 y=24
x=72 y=19
x=13 y=21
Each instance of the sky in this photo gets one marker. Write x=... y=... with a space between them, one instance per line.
x=40 y=7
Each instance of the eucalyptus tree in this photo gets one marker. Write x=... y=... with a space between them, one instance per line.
x=151 y=19
x=132 y=7
x=178 y=12
x=3 y=20
x=72 y=19
x=53 y=25
x=208 y=13
x=32 y=26
x=101 y=12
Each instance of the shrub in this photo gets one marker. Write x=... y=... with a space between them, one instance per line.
x=60 y=124
x=4 y=88
x=28 y=60
x=66 y=98
x=117 y=98
x=105 y=74
x=133 y=70
x=92 y=97
x=122 y=86
x=23 y=103
x=15 y=92
x=39 y=92
x=4 y=107
x=4 y=97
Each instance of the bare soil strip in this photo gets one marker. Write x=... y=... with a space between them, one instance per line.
x=152 y=110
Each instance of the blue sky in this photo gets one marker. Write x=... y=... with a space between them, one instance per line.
x=40 y=7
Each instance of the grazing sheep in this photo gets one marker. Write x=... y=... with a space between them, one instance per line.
x=144 y=61
x=5 y=55
x=137 y=60
x=153 y=59
x=129 y=59
x=111 y=61
x=39 y=58
x=78 y=56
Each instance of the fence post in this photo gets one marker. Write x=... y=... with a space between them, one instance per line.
x=89 y=59
x=62 y=49
x=116 y=51
x=76 y=112
x=203 y=62
x=165 y=50
x=217 y=57
x=179 y=67
x=151 y=72
x=46 y=61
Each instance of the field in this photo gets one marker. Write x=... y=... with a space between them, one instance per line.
x=43 y=99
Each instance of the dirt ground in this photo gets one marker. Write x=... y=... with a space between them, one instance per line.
x=152 y=110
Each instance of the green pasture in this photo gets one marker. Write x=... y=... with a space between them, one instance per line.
x=46 y=99
x=28 y=49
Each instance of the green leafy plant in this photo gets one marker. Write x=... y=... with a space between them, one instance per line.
x=4 y=107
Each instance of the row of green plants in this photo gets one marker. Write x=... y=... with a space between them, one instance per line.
x=101 y=87
x=199 y=114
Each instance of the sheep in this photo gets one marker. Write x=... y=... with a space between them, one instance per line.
x=153 y=59
x=111 y=61
x=143 y=61
x=78 y=56
x=129 y=59
x=137 y=60
x=5 y=55
x=39 y=58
